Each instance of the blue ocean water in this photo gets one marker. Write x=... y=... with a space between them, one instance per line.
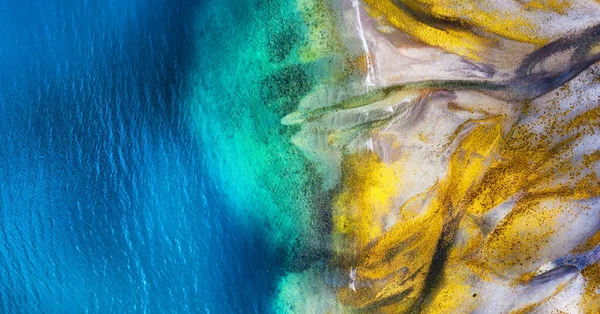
x=106 y=201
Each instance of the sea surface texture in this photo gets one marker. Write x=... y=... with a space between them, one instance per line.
x=109 y=201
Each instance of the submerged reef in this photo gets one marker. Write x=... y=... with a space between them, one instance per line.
x=460 y=142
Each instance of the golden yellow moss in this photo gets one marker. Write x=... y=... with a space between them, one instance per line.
x=590 y=244
x=558 y=6
x=454 y=292
x=396 y=262
x=467 y=27
x=486 y=169
x=457 y=41
x=469 y=160
x=591 y=297
x=366 y=198
x=514 y=246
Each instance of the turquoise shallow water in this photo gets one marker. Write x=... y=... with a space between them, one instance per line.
x=143 y=165
x=247 y=77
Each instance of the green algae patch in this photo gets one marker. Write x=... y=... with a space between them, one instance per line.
x=248 y=76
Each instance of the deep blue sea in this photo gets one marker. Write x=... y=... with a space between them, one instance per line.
x=106 y=199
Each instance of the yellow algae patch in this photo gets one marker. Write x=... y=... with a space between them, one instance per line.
x=550 y=179
x=457 y=41
x=393 y=262
x=428 y=260
x=469 y=160
x=558 y=6
x=586 y=187
x=410 y=244
x=590 y=244
x=591 y=296
x=467 y=27
x=502 y=181
x=514 y=247
x=535 y=169
x=385 y=297
x=454 y=291
x=513 y=170
x=512 y=24
x=366 y=198
x=590 y=119
x=484 y=171
x=397 y=263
